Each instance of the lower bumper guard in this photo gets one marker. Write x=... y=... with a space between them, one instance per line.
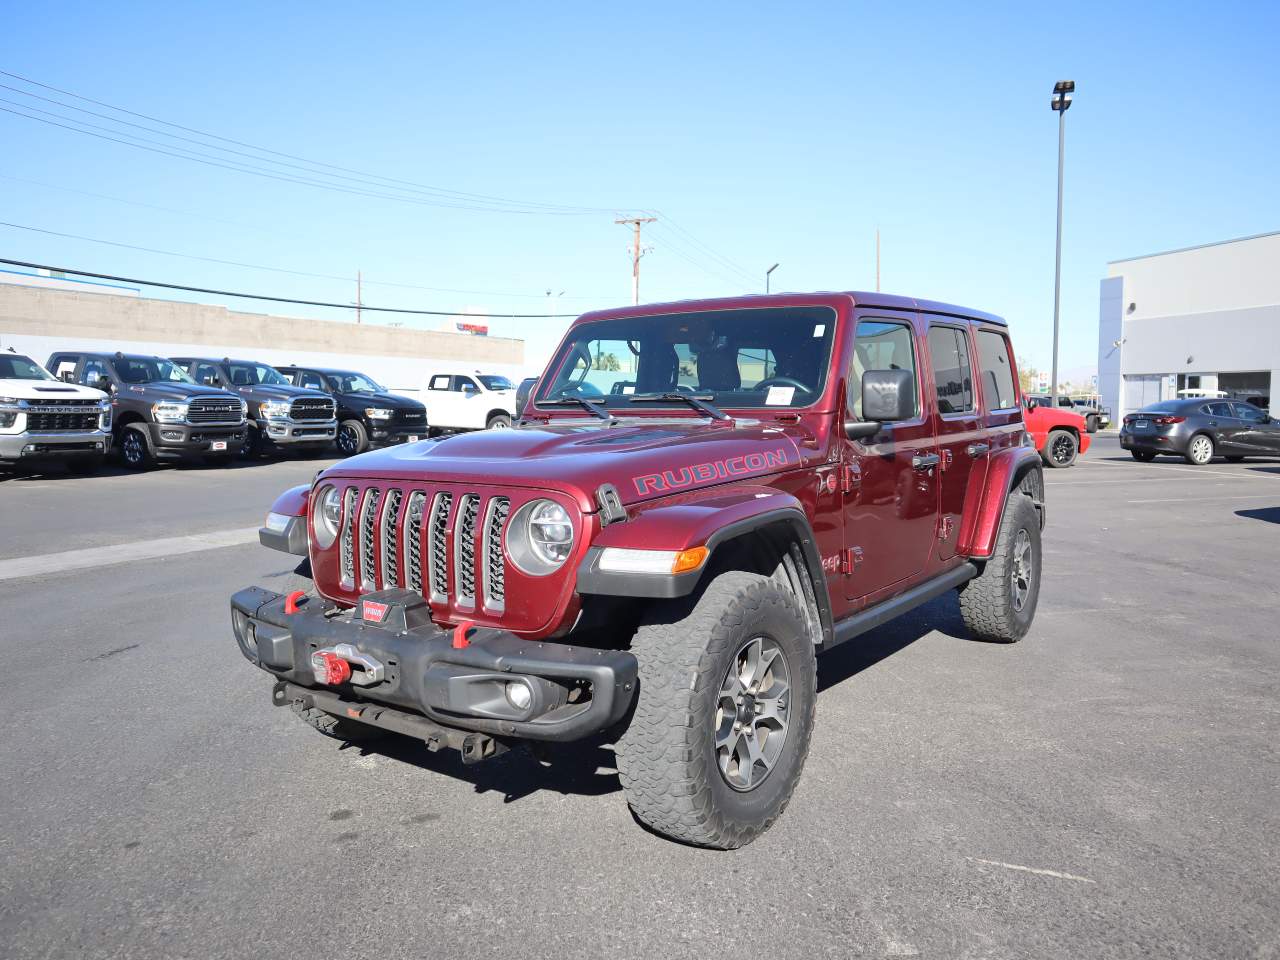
x=386 y=664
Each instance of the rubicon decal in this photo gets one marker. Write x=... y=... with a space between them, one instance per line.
x=714 y=470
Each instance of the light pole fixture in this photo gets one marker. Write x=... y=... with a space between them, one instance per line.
x=1061 y=103
x=766 y=276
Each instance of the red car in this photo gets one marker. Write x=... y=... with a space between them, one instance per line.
x=1059 y=434
x=699 y=499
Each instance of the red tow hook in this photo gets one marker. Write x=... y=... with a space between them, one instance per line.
x=460 y=641
x=291 y=602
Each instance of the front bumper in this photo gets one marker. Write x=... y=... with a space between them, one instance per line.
x=418 y=672
x=54 y=444
x=286 y=432
x=177 y=441
x=391 y=434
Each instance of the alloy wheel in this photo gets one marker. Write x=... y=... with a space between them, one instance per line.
x=1201 y=449
x=1061 y=451
x=132 y=448
x=1022 y=569
x=347 y=440
x=751 y=717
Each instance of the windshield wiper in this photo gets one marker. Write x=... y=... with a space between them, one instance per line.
x=699 y=402
x=591 y=405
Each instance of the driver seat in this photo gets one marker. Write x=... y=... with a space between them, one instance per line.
x=718 y=370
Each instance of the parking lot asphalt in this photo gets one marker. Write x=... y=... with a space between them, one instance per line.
x=1106 y=788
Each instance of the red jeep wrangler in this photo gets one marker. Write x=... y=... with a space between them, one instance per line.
x=701 y=497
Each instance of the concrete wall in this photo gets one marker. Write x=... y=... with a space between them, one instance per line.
x=39 y=321
x=1204 y=310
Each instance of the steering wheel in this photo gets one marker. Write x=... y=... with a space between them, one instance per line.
x=782 y=382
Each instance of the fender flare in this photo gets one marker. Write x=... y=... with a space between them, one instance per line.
x=1008 y=471
x=708 y=518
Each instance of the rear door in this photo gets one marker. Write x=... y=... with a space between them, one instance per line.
x=1227 y=430
x=956 y=424
x=890 y=494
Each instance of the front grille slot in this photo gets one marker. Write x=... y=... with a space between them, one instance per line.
x=437 y=549
x=346 y=545
x=391 y=539
x=312 y=409
x=464 y=550
x=495 y=564
x=368 y=512
x=213 y=410
x=413 y=541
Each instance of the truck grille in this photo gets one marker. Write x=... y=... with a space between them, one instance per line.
x=51 y=422
x=312 y=408
x=447 y=547
x=411 y=418
x=213 y=410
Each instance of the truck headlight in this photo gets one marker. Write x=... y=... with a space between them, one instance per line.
x=377 y=413
x=540 y=537
x=8 y=418
x=274 y=409
x=326 y=514
x=168 y=412
x=105 y=408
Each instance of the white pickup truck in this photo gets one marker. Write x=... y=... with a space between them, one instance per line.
x=466 y=401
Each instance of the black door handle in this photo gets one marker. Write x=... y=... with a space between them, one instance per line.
x=977 y=449
x=922 y=460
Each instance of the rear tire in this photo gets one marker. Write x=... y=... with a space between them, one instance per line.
x=499 y=421
x=352 y=438
x=700 y=761
x=1061 y=448
x=339 y=728
x=999 y=604
x=1145 y=456
x=135 y=451
x=1200 y=450
x=1091 y=424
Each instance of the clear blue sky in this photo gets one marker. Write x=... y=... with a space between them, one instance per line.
x=782 y=132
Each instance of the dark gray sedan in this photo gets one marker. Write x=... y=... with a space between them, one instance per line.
x=1200 y=429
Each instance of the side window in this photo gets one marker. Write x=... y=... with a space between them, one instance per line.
x=1218 y=409
x=997 y=371
x=94 y=370
x=61 y=363
x=203 y=373
x=439 y=382
x=1247 y=411
x=951 y=372
x=466 y=383
x=311 y=381
x=881 y=345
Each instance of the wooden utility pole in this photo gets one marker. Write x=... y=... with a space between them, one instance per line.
x=359 y=284
x=636 y=253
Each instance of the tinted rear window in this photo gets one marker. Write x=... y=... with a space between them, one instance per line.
x=1164 y=406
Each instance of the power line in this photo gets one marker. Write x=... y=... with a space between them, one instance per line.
x=698 y=244
x=454 y=194
x=270 y=299
x=258 y=266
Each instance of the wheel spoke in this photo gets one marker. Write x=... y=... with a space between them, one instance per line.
x=750 y=662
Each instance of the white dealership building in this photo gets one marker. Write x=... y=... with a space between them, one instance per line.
x=1205 y=317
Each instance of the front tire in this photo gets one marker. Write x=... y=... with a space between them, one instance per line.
x=1199 y=450
x=499 y=421
x=1061 y=448
x=135 y=451
x=999 y=604
x=352 y=438
x=251 y=446
x=724 y=713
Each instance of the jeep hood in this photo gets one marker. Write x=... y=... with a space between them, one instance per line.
x=642 y=459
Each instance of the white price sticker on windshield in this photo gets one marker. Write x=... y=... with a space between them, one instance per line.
x=819 y=329
x=779 y=396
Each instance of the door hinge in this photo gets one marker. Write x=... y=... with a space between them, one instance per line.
x=945 y=527
x=850 y=477
x=850 y=560
x=946 y=458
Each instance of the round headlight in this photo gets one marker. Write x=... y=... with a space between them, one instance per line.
x=325 y=517
x=540 y=537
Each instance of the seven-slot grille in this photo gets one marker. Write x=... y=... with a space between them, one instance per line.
x=312 y=408
x=53 y=415
x=213 y=410
x=396 y=538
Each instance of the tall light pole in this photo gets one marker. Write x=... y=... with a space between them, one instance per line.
x=766 y=276
x=1061 y=103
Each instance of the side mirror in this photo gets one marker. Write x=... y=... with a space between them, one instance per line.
x=105 y=385
x=887 y=396
x=68 y=376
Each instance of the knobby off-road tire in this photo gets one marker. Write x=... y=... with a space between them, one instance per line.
x=668 y=760
x=999 y=604
x=340 y=728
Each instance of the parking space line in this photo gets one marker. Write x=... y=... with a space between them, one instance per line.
x=1251 y=496
x=1198 y=471
x=1036 y=870
x=67 y=560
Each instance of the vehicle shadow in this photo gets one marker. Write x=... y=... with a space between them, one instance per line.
x=56 y=472
x=851 y=658
x=1266 y=514
x=1265 y=469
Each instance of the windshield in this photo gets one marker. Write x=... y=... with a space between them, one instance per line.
x=17 y=367
x=348 y=382
x=753 y=358
x=495 y=383
x=150 y=370
x=250 y=374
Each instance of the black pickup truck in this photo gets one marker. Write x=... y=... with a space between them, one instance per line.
x=281 y=416
x=368 y=415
